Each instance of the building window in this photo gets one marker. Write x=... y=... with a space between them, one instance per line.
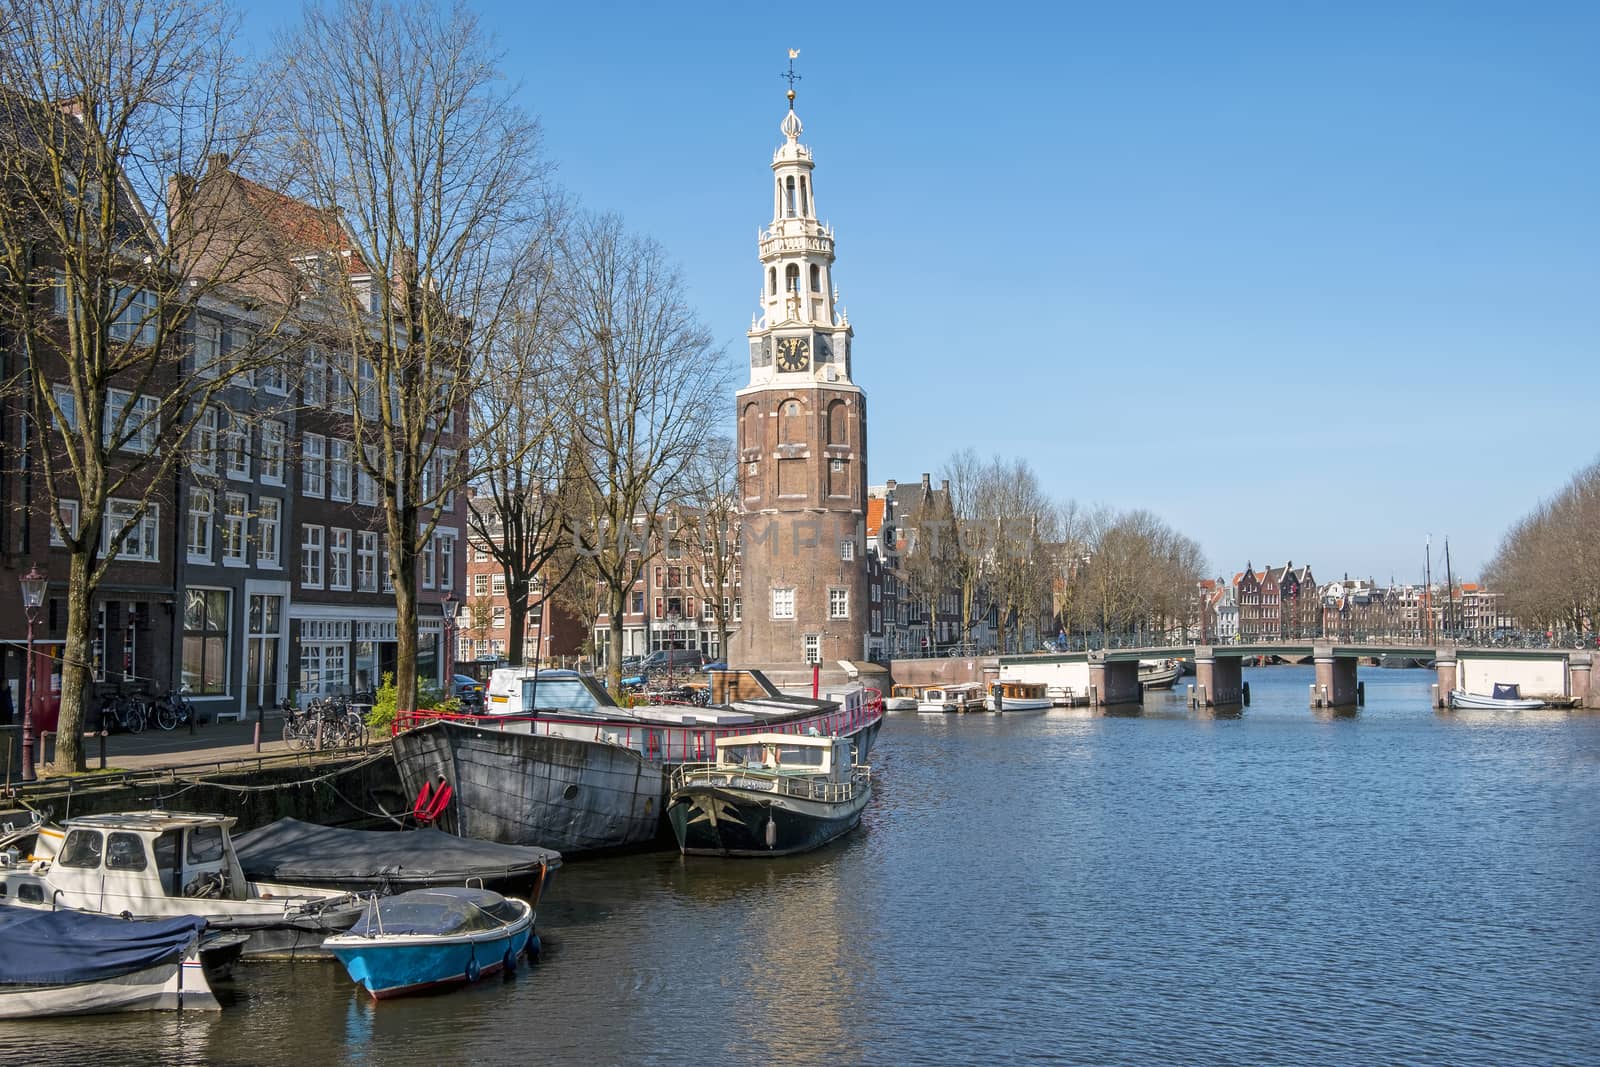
x=341 y=391
x=207 y=347
x=499 y=622
x=367 y=561
x=480 y=585
x=783 y=603
x=68 y=510
x=312 y=482
x=367 y=390
x=813 y=646
x=636 y=603
x=310 y=556
x=272 y=436
x=203 y=442
x=313 y=383
x=237 y=444
x=430 y=563
x=447 y=560
x=339 y=481
x=366 y=484
x=838 y=603
x=498 y=582
x=447 y=475
x=68 y=405
x=269 y=531
x=205 y=641
x=141 y=540
x=235 y=528
x=137 y=319
x=384 y=569
x=140 y=421
x=338 y=559
x=200 y=508
x=847 y=549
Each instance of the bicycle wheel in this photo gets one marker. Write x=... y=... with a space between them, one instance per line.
x=166 y=716
x=291 y=732
x=133 y=716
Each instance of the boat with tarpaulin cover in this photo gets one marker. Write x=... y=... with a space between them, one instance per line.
x=1506 y=697
x=79 y=963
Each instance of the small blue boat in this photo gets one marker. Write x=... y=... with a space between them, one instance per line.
x=433 y=938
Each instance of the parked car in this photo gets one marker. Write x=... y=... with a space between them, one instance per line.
x=468 y=690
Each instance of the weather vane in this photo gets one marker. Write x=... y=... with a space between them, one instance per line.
x=790 y=75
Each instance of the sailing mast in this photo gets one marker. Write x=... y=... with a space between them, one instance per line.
x=1449 y=591
x=1427 y=590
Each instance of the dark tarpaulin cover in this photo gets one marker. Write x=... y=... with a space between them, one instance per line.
x=293 y=851
x=67 y=947
x=1502 y=691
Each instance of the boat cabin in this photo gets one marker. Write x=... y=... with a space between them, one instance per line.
x=527 y=691
x=135 y=862
x=797 y=754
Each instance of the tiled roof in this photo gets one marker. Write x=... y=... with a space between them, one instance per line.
x=297 y=224
x=874 y=515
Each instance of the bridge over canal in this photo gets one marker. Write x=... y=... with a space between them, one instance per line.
x=1111 y=676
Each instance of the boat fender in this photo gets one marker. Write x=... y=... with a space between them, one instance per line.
x=510 y=961
x=535 y=948
x=473 y=970
x=772 y=831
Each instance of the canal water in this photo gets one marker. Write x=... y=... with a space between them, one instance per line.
x=1284 y=886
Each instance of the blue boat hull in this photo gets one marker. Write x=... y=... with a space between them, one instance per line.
x=392 y=970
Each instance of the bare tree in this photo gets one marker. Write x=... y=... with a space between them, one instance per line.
x=1548 y=563
x=403 y=128
x=648 y=387
x=106 y=110
x=712 y=518
x=522 y=463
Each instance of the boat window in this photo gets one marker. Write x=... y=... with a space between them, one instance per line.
x=82 y=849
x=205 y=844
x=30 y=894
x=741 y=755
x=125 y=852
x=166 y=848
x=801 y=756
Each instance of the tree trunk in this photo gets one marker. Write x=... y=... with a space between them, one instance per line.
x=618 y=598
x=405 y=665
x=517 y=618
x=75 y=668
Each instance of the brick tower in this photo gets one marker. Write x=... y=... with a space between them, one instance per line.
x=802 y=449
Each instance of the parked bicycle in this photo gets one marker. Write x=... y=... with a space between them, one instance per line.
x=124 y=711
x=173 y=709
x=326 y=722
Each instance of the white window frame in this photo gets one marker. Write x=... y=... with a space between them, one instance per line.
x=314 y=379
x=200 y=524
x=68 y=509
x=497 y=584
x=838 y=603
x=447 y=558
x=783 y=602
x=367 y=561
x=273 y=435
x=207 y=347
x=68 y=405
x=480 y=585
x=311 y=561
x=269 y=532
x=339 y=559
x=235 y=529
x=384 y=576
x=340 y=474
x=812 y=644
x=203 y=442
x=366 y=484
x=136 y=322
x=367 y=389
x=146 y=535
x=237 y=442
x=313 y=466
x=498 y=617
x=341 y=391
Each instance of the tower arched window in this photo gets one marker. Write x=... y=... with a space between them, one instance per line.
x=816 y=278
x=791 y=423
x=791 y=277
x=750 y=430
x=788 y=200
x=804 y=206
x=836 y=424
x=772 y=280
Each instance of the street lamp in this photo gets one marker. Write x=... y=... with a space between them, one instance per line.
x=33 y=584
x=448 y=605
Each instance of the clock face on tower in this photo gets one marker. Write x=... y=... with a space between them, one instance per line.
x=794 y=354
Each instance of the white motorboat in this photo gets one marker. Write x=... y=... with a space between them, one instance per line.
x=157 y=864
x=1158 y=673
x=75 y=963
x=1011 y=695
x=965 y=696
x=902 y=698
x=1505 y=698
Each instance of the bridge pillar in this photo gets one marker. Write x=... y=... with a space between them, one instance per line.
x=1446 y=669
x=1218 y=677
x=1336 y=679
x=1578 y=677
x=1097 y=683
x=1122 y=683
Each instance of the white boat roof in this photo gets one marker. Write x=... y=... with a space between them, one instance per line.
x=803 y=740
x=149 y=821
x=679 y=714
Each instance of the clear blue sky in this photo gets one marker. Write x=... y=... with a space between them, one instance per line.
x=1307 y=280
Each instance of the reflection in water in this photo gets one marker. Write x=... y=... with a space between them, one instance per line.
x=1187 y=886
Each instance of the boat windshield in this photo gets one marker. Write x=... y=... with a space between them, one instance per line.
x=437 y=911
x=780 y=756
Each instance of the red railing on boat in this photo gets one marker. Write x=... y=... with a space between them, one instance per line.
x=668 y=744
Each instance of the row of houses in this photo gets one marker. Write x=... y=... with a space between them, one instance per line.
x=1286 y=603
x=262 y=570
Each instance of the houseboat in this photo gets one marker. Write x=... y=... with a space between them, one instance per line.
x=1011 y=695
x=768 y=795
x=963 y=696
x=903 y=698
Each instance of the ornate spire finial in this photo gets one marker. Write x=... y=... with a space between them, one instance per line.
x=791 y=76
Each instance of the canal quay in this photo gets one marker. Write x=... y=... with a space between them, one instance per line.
x=1272 y=884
